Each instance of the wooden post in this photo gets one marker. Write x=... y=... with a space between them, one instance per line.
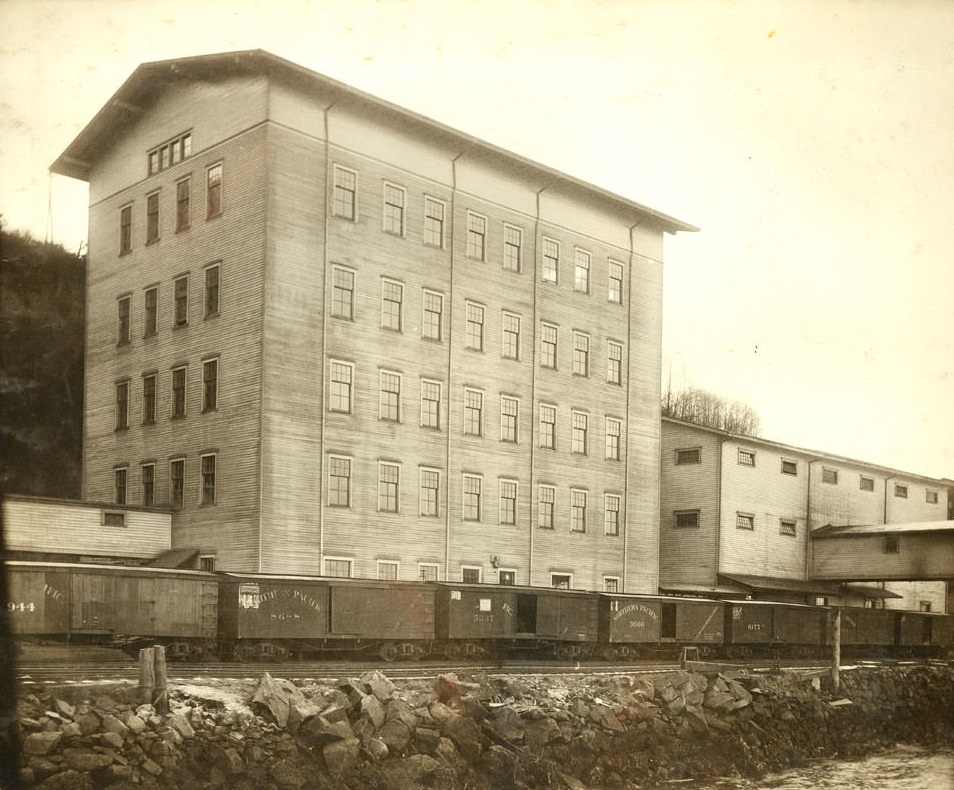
x=153 y=681
x=836 y=649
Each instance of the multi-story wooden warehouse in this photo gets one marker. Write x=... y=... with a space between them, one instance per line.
x=337 y=337
x=738 y=513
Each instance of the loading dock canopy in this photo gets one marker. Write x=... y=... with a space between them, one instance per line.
x=770 y=584
x=870 y=592
x=176 y=558
x=703 y=589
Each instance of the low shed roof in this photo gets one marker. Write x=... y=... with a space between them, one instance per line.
x=831 y=531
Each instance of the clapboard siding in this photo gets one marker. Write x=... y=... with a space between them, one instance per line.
x=919 y=555
x=68 y=527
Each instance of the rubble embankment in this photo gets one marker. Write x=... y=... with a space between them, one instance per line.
x=570 y=731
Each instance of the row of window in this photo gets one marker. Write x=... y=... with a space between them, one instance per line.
x=341 y=485
x=148 y=495
x=432 y=325
x=178 y=401
x=689 y=519
x=693 y=455
x=344 y=204
x=389 y=570
x=183 y=207
x=180 y=305
x=390 y=407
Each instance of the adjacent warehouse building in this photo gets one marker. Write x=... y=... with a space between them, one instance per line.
x=738 y=515
x=336 y=337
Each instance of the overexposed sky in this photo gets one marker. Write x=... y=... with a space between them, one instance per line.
x=812 y=142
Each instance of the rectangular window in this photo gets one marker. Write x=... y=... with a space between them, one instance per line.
x=433 y=223
x=470 y=575
x=338 y=568
x=152 y=218
x=892 y=544
x=112 y=519
x=181 y=301
x=473 y=412
x=476 y=236
x=393 y=209
x=561 y=581
x=830 y=476
x=122 y=405
x=506 y=577
x=122 y=330
x=213 y=191
x=930 y=497
x=151 y=312
x=178 y=392
x=691 y=455
x=339 y=395
x=509 y=409
x=433 y=316
x=387 y=571
x=548 y=427
x=472 y=486
x=208 y=479
x=577 y=511
x=339 y=481
x=392 y=300
x=430 y=491
x=177 y=483
x=550 y=266
x=474 y=327
x=149 y=398
x=342 y=293
x=901 y=490
x=389 y=478
x=510 y=336
x=787 y=526
x=548 y=345
x=169 y=153
x=210 y=385
x=611 y=511
x=686 y=518
x=746 y=457
x=789 y=467
x=211 y=291
x=508 y=501
x=430 y=404
x=581 y=272
x=866 y=483
x=427 y=571
x=611 y=584
x=207 y=563
x=581 y=354
x=578 y=432
x=546 y=497
x=147 y=475
x=389 y=406
x=614 y=430
x=614 y=292
x=119 y=486
x=125 y=230
x=614 y=363
x=513 y=240
x=345 y=193
x=744 y=521
x=183 y=204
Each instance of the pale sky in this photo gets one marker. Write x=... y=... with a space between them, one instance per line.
x=812 y=142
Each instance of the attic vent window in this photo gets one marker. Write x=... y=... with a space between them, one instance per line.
x=170 y=153
x=114 y=519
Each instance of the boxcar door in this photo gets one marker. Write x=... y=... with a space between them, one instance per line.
x=93 y=603
x=526 y=613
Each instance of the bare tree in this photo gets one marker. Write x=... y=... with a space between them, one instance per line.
x=706 y=408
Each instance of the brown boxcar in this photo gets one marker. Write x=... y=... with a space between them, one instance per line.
x=924 y=633
x=269 y=616
x=124 y=605
x=629 y=624
x=474 y=619
x=868 y=631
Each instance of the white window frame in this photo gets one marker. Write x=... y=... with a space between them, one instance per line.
x=831 y=474
x=792 y=469
x=545 y=357
x=684 y=459
x=386 y=317
x=567 y=576
x=440 y=394
x=550 y=433
x=210 y=393
x=474 y=339
x=581 y=354
x=428 y=219
x=348 y=560
x=468 y=409
x=332 y=383
x=788 y=527
x=396 y=468
x=388 y=189
x=478 y=568
x=746 y=457
x=429 y=565
x=745 y=521
x=512 y=571
x=549 y=264
x=384 y=403
x=150 y=411
x=506 y=333
x=550 y=521
x=618 y=526
x=695 y=513
x=613 y=581
x=142 y=484
x=353 y=190
x=612 y=265
x=332 y=457
x=422 y=510
x=505 y=401
x=425 y=313
x=206 y=311
x=574 y=507
x=336 y=312
x=512 y=261
x=582 y=263
x=501 y=499
x=614 y=372
x=575 y=430
x=613 y=450
x=390 y=564
x=203 y=502
x=473 y=219
x=464 y=494
x=185 y=392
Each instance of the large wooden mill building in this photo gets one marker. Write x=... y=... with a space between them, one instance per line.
x=336 y=337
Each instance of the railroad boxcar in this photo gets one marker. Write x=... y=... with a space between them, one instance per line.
x=868 y=632
x=126 y=606
x=478 y=619
x=266 y=616
x=760 y=627
x=635 y=625
x=925 y=634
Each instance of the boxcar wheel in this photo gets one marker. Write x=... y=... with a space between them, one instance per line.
x=388 y=652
